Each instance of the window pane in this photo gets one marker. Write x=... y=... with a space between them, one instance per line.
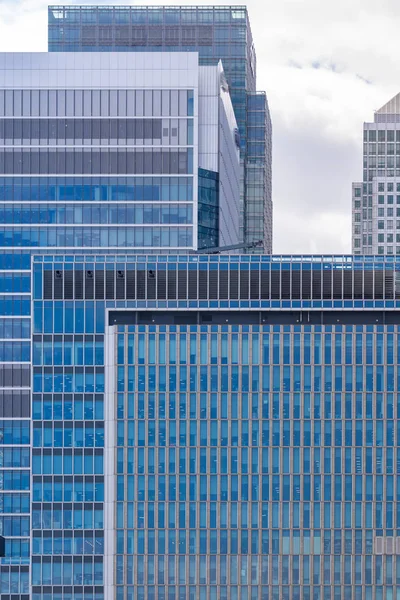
x=157 y=103
x=113 y=103
x=95 y=103
x=44 y=108
x=17 y=103
x=139 y=103
x=148 y=103
x=70 y=108
x=52 y=103
x=9 y=105
x=78 y=103
x=130 y=103
x=87 y=103
x=26 y=103
x=183 y=103
x=165 y=103
x=174 y=103
x=122 y=103
x=61 y=103
x=105 y=109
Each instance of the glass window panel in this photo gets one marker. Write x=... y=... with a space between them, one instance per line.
x=52 y=103
x=139 y=103
x=43 y=99
x=105 y=107
x=130 y=103
x=61 y=103
x=157 y=103
x=96 y=103
x=78 y=103
x=87 y=103
x=122 y=103
x=26 y=103
x=17 y=103
x=70 y=103
x=148 y=103
x=183 y=103
x=113 y=103
x=165 y=106
x=174 y=103
x=9 y=103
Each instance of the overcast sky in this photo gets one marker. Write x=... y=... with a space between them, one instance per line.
x=326 y=66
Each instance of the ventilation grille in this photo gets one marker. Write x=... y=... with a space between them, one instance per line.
x=173 y=283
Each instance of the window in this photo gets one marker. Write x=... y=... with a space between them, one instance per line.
x=381 y=224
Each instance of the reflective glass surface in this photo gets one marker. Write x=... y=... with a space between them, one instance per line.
x=253 y=453
x=216 y=33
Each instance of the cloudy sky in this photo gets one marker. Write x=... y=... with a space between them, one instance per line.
x=326 y=66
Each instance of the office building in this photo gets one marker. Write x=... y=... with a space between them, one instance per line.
x=216 y=33
x=107 y=153
x=206 y=427
x=376 y=200
x=111 y=150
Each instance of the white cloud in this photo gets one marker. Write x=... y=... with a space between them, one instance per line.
x=326 y=66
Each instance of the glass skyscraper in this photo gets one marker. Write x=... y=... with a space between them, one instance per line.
x=216 y=33
x=204 y=427
x=376 y=200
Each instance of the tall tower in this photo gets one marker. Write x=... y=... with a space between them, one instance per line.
x=216 y=33
x=376 y=200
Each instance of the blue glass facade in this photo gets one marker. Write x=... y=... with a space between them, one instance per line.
x=105 y=147
x=216 y=33
x=208 y=213
x=243 y=411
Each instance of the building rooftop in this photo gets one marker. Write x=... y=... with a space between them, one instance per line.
x=391 y=108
